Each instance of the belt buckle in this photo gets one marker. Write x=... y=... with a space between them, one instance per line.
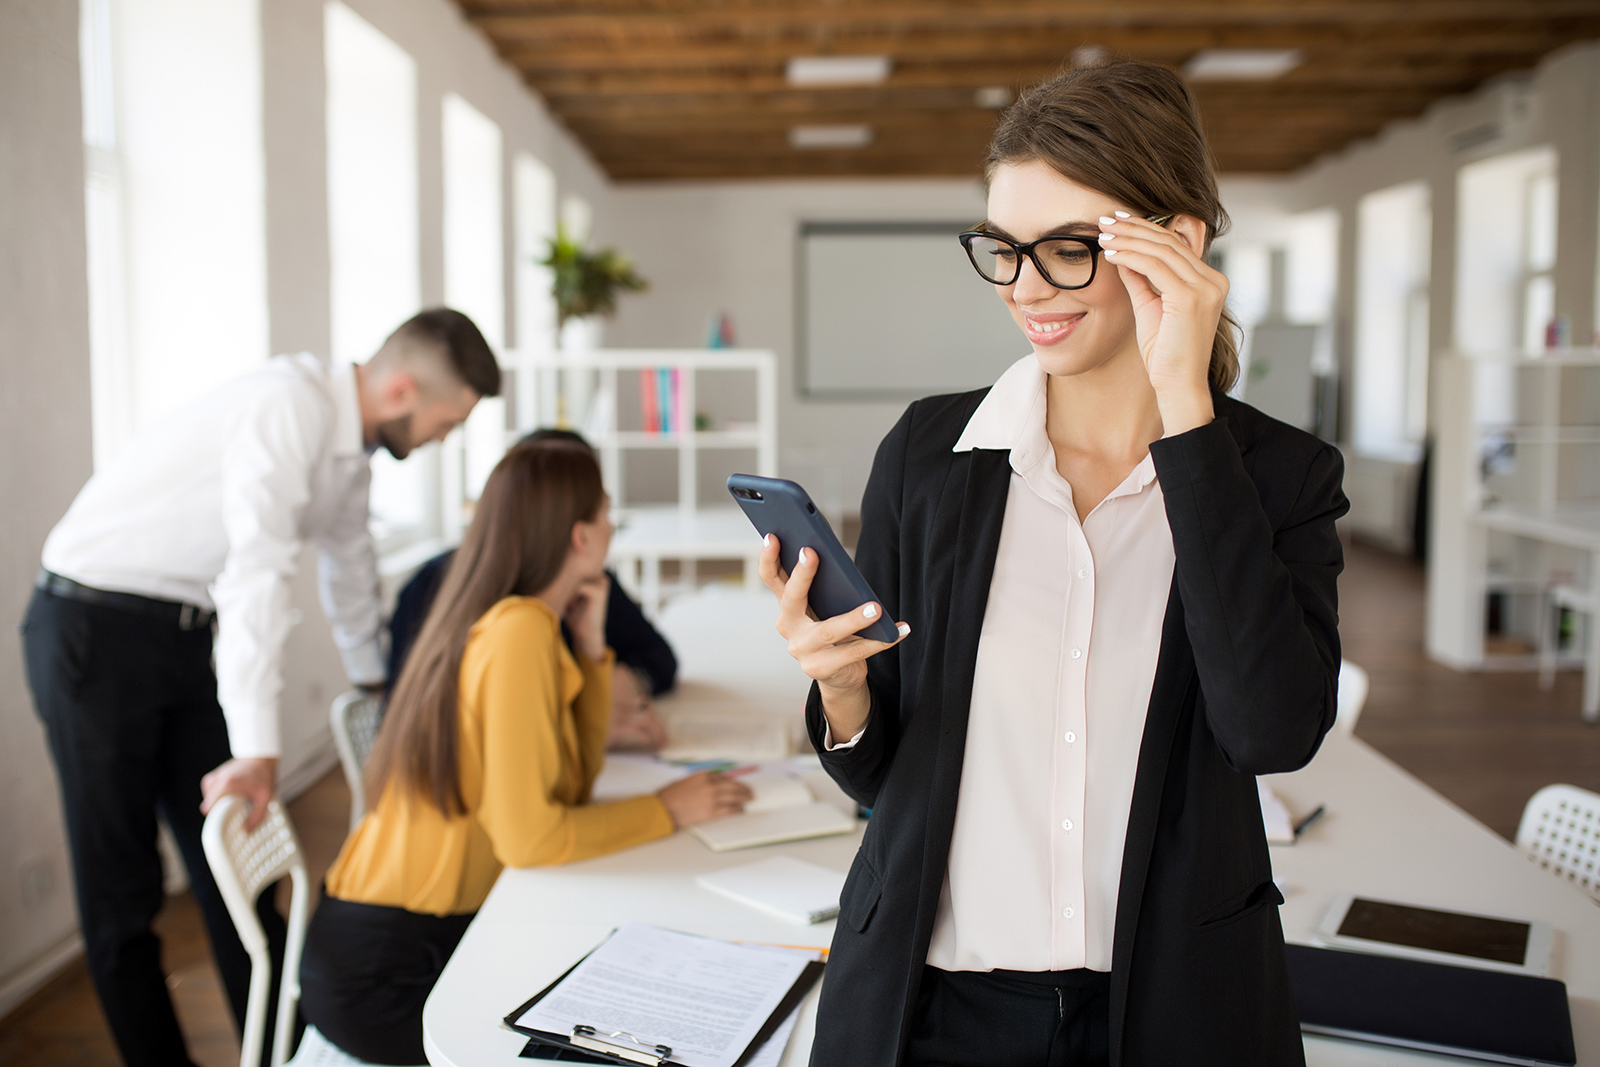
x=186 y=616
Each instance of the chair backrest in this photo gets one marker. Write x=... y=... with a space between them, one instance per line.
x=244 y=863
x=354 y=719
x=1560 y=831
x=1353 y=686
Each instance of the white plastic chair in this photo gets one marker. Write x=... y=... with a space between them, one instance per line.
x=1560 y=831
x=1353 y=685
x=244 y=864
x=354 y=719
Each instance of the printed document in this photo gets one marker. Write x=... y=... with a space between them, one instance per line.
x=705 y=998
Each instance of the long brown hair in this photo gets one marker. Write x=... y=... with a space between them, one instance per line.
x=515 y=546
x=1131 y=130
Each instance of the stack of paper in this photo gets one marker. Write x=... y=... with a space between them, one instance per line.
x=696 y=737
x=791 y=889
x=1274 y=816
x=708 y=1002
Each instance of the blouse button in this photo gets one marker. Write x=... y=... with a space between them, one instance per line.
x=1077 y=653
x=1067 y=913
x=1066 y=824
x=1071 y=737
x=1083 y=572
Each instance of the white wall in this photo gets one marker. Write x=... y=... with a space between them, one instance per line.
x=729 y=247
x=45 y=447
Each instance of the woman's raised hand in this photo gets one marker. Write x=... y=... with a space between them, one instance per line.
x=828 y=650
x=1177 y=302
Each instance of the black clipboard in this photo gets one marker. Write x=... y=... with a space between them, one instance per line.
x=564 y=1049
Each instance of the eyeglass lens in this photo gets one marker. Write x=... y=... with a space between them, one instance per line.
x=1067 y=264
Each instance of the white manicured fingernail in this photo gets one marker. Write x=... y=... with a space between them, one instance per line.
x=904 y=628
x=1111 y=251
x=1107 y=237
x=766 y=540
x=1123 y=215
x=1107 y=220
x=870 y=611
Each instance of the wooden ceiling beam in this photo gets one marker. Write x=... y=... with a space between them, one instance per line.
x=1438 y=75
x=576 y=17
x=871 y=105
x=539 y=55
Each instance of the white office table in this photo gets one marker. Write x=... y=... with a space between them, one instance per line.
x=1385 y=835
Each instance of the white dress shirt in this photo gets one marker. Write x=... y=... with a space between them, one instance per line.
x=211 y=506
x=1066 y=661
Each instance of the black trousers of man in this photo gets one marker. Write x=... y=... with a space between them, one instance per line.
x=129 y=702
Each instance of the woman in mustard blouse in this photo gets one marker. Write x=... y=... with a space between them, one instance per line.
x=488 y=752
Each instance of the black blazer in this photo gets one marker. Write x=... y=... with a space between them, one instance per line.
x=1245 y=684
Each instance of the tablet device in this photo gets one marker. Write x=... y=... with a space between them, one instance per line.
x=780 y=507
x=1388 y=928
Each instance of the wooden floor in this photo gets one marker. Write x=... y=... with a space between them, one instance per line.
x=1487 y=742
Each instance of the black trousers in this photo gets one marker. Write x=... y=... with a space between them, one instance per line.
x=368 y=970
x=1015 y=1018
x=130 y=707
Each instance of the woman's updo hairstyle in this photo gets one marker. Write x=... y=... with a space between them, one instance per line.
x=1130 y=130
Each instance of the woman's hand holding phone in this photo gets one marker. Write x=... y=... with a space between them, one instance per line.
x=828 y=650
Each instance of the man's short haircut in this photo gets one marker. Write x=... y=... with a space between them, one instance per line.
x=450 y=333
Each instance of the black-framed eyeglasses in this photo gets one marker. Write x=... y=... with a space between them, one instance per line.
x=1065 y=261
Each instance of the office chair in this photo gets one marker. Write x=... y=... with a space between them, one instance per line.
x=354 y=719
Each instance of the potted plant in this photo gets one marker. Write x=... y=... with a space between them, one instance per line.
x=587 y=282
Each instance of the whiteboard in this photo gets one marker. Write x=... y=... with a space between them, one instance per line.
x=890 y=310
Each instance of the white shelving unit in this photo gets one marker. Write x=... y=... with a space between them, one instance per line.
x=583 y=388
x=1515 y=508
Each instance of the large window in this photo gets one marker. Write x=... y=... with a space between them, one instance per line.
x=1391 y=353
x=474 y=278
x=372 y=237
x=534 y=200
x=111 y=391
x=174 y=202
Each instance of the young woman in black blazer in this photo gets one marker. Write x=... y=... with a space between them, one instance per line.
x=1102 y=204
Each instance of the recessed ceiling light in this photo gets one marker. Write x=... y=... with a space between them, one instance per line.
x=1242 y=64
x=848 y=136
x=838 y=70
x=993 y=96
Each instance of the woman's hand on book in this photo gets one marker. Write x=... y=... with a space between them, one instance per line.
x=828 y=650
x=702 y=797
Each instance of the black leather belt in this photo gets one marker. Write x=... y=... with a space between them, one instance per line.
x=175 y=612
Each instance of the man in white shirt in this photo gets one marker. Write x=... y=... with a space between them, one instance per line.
x=201 y=519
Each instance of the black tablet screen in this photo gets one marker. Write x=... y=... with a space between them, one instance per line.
x=1439 y=931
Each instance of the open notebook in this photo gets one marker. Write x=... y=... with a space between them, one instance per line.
x=783 y=809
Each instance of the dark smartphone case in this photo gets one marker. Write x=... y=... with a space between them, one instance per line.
x=782 y=508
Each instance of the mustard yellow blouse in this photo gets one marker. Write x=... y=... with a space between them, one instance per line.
x=533 y=724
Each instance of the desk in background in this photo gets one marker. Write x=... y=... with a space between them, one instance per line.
x=1385 y=835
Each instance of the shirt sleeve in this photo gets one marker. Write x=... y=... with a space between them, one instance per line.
x=266 y=483
x=349 y=581
x=525 y=745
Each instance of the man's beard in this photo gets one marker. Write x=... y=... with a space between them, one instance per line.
x=395 y=437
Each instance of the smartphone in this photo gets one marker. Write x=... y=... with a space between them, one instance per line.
x=779 y=507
